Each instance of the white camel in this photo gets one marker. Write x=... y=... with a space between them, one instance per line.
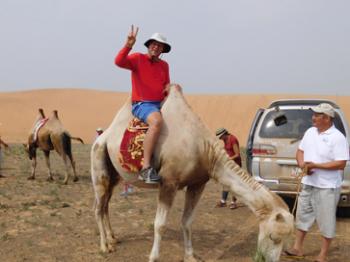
x=187 y=155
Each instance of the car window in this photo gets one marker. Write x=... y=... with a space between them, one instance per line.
x=298 y=121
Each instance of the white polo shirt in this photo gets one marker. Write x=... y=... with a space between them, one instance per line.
x=327 y=146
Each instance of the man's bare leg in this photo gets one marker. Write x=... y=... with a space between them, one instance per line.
x=297 y=248
x=154 y=121
x=326 y=242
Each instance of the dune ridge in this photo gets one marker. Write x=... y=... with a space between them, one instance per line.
x=82 y=110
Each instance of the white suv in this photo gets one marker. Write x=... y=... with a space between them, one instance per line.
x=273 y=141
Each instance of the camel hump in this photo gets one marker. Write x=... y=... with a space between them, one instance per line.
x=41 y=112
x=55 y=114
x=175 y=88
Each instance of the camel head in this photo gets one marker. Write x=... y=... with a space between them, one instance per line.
x=275 y=229
x=30 y=149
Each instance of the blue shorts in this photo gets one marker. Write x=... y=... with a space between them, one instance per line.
x=143 y=109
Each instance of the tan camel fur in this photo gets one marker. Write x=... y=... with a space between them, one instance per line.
x=51 y=136
x=187 y=155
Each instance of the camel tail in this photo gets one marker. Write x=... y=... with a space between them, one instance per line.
x=78 y=139
x=67 y=144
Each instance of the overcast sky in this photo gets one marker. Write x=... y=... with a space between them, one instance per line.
x=223 y=46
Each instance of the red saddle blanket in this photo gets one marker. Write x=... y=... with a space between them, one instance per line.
x=131 y=147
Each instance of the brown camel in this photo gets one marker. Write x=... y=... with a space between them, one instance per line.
x=51 y=136
x=187 y=155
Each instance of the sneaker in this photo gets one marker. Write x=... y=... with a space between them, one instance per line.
x=124 y=194
x=221 y=204
x=233 y=205
x=149 y=175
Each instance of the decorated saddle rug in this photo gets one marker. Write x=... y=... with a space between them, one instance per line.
x=131 y=147
x=37 y=127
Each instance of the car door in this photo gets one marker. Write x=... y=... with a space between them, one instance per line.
x=250 y=141
x=277 y=143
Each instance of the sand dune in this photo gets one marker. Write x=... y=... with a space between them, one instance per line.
x=81 y=110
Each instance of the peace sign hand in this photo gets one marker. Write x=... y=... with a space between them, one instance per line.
x=132 y=36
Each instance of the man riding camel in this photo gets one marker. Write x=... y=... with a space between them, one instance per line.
x=150 y=78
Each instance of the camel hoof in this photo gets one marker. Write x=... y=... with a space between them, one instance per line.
x=65 y=182
x=76 y=179
x=50 y=179
x=112 y=241
x=111 y=248
x=31 y=177
x=190 y=259
x=104 y=249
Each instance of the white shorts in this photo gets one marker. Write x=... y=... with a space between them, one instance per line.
x=318 y=204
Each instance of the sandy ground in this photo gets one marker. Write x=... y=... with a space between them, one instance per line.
x=82 y=111
x=48 y=221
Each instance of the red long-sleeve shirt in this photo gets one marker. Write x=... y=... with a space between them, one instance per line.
x=148 y=78
x=229 y=143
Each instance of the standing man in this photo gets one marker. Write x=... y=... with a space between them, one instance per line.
x=150 y=77
x=232 y=149
x=2 y=143
x=323 y=153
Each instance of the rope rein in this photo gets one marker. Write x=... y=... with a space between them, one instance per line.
x=299 y=177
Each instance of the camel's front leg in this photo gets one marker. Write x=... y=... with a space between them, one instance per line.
x=104 y=178
x=193 y=195
x=47 y=160
x=165 y=201
x=32 y=176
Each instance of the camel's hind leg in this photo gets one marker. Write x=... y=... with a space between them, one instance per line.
x=165 y=201
x=104 y=178
x=193 y=194
x=64 y=157
x=47 y=160
x=72 y=163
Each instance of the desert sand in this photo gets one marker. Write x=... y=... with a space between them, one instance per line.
x=48 y=221
x=82 y=111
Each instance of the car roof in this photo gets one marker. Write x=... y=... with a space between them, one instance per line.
x=301 y=102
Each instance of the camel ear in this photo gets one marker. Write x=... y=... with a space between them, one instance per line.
x=279 y=218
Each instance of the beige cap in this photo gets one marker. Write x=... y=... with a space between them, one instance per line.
x=99 y=129
x=324 y=108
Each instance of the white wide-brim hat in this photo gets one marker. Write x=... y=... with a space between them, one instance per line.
x=161 y=39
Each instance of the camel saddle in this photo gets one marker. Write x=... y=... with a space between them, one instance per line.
x=131 y=148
